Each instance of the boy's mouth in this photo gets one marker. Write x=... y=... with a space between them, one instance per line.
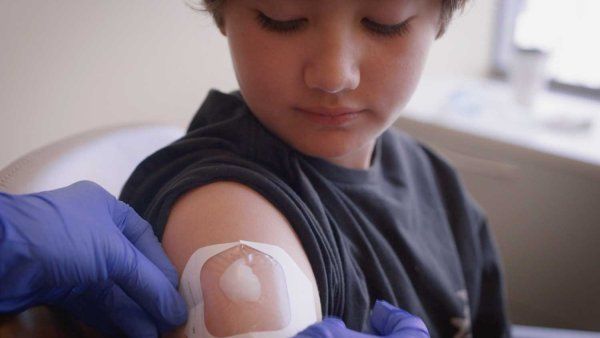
x=330 y=116
x=333 y=111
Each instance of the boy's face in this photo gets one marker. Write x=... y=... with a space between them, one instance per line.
x=333 y=56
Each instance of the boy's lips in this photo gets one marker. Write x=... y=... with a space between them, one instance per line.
x=330 y=116
x=334 y=111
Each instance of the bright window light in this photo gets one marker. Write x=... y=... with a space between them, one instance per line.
x=570 y=31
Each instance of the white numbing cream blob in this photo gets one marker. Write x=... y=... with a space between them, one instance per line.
x=246 y=289
x=238 y=273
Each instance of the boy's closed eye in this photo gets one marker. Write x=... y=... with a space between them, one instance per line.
x=290 y=26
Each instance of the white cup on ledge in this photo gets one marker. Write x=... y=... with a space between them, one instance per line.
x=528 y=75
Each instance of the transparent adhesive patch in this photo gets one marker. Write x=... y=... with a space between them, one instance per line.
x=243 y=288
x=246 y=289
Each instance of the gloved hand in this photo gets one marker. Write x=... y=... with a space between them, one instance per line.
x=386 y=321
x=83 y=250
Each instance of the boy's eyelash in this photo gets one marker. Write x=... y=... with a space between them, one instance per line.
x=293 y=25
x=388 y=30
x=278 y=26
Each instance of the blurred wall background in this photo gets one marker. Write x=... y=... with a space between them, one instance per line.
x=67 y=66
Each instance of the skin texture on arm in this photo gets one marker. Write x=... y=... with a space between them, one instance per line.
x=226 y=212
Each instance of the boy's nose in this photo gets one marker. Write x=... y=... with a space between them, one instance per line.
x=333 y=66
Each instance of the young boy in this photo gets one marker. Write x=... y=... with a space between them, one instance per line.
x=302 y=157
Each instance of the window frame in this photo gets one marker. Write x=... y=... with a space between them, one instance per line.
x=503 y=44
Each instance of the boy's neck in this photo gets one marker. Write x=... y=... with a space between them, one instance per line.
x=359 y=159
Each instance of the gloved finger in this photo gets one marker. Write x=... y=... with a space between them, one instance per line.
x=330 y=327
x=106 y=308
x=77 y=302
x=390 y=321
x=147 y=286
x=140 y=234
x=323 y=329
x=123 y=312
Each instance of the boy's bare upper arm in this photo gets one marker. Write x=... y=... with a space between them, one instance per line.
x=225 y=212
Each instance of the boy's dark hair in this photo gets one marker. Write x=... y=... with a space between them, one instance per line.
x=449 y=7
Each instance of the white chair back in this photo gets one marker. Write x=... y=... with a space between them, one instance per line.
x=106 y=156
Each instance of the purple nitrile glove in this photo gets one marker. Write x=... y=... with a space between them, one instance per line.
x=81 y=249
x=386 y=321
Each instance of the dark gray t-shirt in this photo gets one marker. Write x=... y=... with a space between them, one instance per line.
x=404 y=231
